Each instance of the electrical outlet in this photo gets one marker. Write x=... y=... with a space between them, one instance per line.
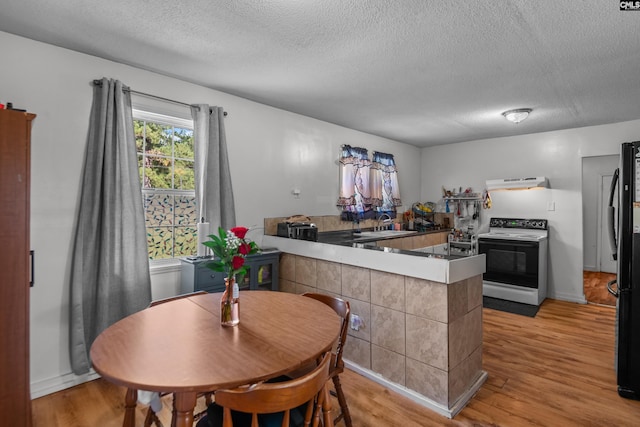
x=356 y=322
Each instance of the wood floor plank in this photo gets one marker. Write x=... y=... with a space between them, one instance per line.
x=555 y=369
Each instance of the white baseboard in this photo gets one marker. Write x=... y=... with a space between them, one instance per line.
x=52 y=385
x=417 y=397
x=581 y=299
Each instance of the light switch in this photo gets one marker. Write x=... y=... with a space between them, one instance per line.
x=551 y=206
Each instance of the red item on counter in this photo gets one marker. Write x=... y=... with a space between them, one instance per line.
x=1 y=106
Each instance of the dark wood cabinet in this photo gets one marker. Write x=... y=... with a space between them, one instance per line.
x=263 y=273
x=15 y=395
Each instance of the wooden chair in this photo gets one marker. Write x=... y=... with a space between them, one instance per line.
x=343 y=309
x=308 y=393
x=151 y=417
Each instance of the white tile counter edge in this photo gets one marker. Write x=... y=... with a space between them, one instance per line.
x=434 y=269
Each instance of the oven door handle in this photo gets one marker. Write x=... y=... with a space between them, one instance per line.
x=610 y=284
x=509 y=242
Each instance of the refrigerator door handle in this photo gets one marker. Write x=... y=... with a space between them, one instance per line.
x=611 y=216
x=613 y=292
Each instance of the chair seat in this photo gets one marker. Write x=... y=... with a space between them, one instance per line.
x=302 y=401
x=214 y=418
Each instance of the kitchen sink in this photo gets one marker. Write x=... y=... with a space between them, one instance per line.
x=382 y=234
x=336 y=236
x=346 y=236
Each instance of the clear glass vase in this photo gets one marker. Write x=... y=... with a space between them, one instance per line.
x=230 y=303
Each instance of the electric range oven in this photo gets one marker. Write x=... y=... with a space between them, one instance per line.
x=516 y=259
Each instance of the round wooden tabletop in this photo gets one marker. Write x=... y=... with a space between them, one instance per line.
x=180 y=346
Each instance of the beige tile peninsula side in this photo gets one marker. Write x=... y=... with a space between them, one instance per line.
x=421 y=317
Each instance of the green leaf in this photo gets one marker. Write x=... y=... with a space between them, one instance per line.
x=215 y=266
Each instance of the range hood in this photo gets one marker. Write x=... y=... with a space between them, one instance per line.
x=517 y=183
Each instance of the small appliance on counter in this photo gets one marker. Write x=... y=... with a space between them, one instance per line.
x=298 y=227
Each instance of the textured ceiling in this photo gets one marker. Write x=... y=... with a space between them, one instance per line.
x=418 y=71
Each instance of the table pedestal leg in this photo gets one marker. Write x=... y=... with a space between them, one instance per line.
x=130 y=401
x=183 y=405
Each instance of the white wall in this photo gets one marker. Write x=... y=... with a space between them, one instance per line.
x=271 y=152
x=556 y=155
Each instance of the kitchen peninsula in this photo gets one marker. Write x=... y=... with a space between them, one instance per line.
x=416 y=317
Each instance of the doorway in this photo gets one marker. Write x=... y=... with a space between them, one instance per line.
x=599 y=266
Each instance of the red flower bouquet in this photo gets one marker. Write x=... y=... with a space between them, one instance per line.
x=230 y=249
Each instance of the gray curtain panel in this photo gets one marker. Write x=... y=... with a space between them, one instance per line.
x=110 y=262
x=214 y=194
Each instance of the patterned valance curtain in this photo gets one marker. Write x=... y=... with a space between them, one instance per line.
x=355 y=192
x=385 y=192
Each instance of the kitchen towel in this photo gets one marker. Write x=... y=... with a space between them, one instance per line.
x=203 y=233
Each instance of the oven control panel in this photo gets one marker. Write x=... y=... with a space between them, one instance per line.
x=530 y=224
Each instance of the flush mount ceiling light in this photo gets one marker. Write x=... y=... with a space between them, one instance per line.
x=516 y=116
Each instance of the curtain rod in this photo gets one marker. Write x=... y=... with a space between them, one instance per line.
x=148 y=95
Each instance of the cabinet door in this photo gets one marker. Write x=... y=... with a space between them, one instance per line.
x=15 y=401
x=390 y=243
x=263 y=272
x=209 y=280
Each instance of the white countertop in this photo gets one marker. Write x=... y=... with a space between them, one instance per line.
x=429 y=268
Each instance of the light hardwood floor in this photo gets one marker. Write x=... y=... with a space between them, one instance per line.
x=552 y=370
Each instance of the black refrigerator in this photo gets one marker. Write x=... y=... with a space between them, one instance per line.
x=624 y=223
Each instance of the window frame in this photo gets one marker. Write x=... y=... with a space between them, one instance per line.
x=178 y=122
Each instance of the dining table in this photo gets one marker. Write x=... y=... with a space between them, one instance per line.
x=180 y=346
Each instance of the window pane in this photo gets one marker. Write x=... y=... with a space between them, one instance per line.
x=185 y=209
x=158 y=139
x=143 y=180
x=160 y=242
x=184 y=177
x=139 y=132
x=186 y=241
x=158 y=209
x=183 y=140
x=157 y=171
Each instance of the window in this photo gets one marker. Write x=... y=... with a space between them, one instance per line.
x=165 y=161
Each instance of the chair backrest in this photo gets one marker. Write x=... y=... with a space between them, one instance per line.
x=343 y=309
x=269 y=398
x=162 y=301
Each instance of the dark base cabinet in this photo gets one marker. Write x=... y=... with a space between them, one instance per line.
x=263 y=274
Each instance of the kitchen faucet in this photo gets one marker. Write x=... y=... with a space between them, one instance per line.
x=386 y=221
